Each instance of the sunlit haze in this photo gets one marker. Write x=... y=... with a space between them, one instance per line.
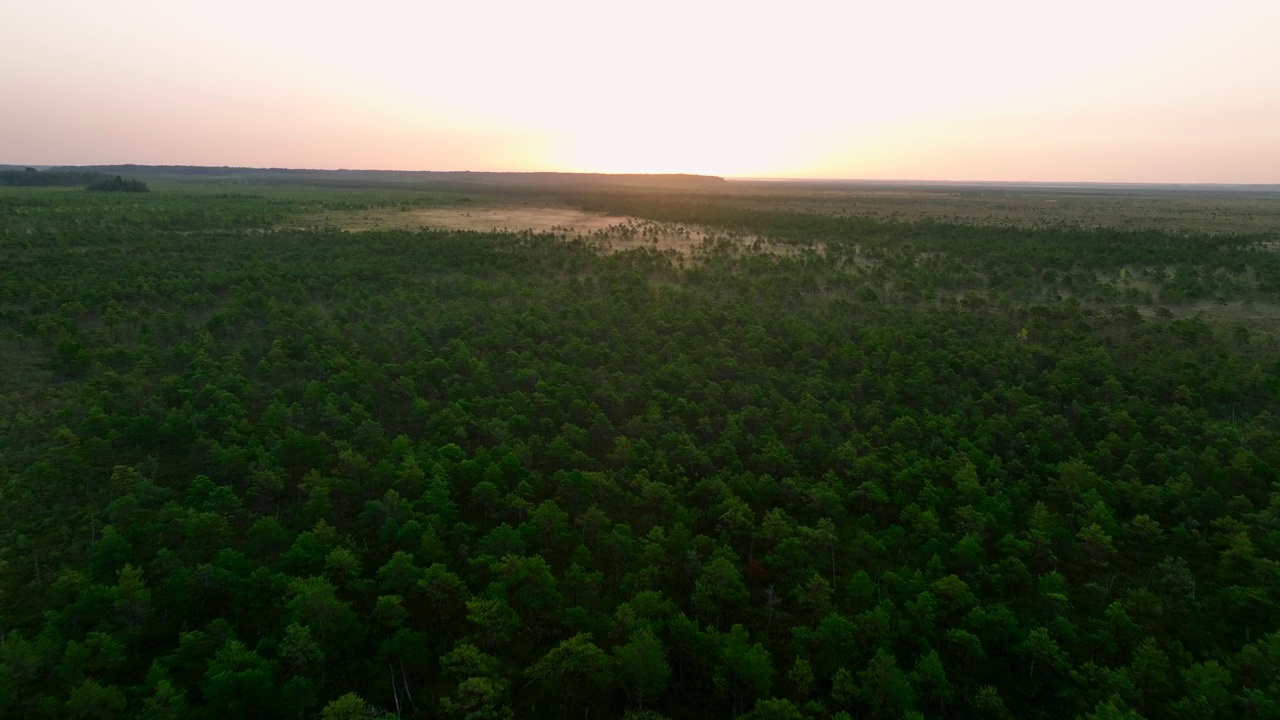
x=1114 y=90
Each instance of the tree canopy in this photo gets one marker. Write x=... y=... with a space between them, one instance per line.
x=868 y=469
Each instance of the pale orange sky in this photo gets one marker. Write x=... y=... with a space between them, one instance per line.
x=1092 y=90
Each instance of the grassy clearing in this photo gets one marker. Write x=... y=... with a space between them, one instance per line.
x=1133 y=210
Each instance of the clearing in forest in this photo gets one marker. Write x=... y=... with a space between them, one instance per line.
x=612 y=232
x=514 y=218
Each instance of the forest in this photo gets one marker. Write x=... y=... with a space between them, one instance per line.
x=31 y=177
x=813 y=465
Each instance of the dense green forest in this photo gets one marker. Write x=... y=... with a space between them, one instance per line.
x=117 y=184
x=30 y=177
x=866 y=469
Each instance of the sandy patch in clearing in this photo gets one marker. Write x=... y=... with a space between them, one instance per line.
x=610 y=233
x=482 y=219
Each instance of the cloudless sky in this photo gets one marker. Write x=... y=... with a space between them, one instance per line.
x=1089 y=90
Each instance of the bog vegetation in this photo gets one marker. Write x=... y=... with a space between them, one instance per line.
x=904 y=469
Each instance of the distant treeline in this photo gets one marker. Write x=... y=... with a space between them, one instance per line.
x=379 y=178
x=31 y=177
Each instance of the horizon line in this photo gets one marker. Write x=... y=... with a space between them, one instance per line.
x=726 y=178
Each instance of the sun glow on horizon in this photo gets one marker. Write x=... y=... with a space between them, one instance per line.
x=1139 y=90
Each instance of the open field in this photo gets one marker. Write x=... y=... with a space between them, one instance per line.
x=1137 y=208
x=1129 y=210
x=1219 y=215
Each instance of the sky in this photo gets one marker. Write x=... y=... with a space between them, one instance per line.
x=1016 y=90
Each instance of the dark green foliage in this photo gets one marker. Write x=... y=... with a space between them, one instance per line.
x=253 y=470
x=118 y=184
x=30 y=177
